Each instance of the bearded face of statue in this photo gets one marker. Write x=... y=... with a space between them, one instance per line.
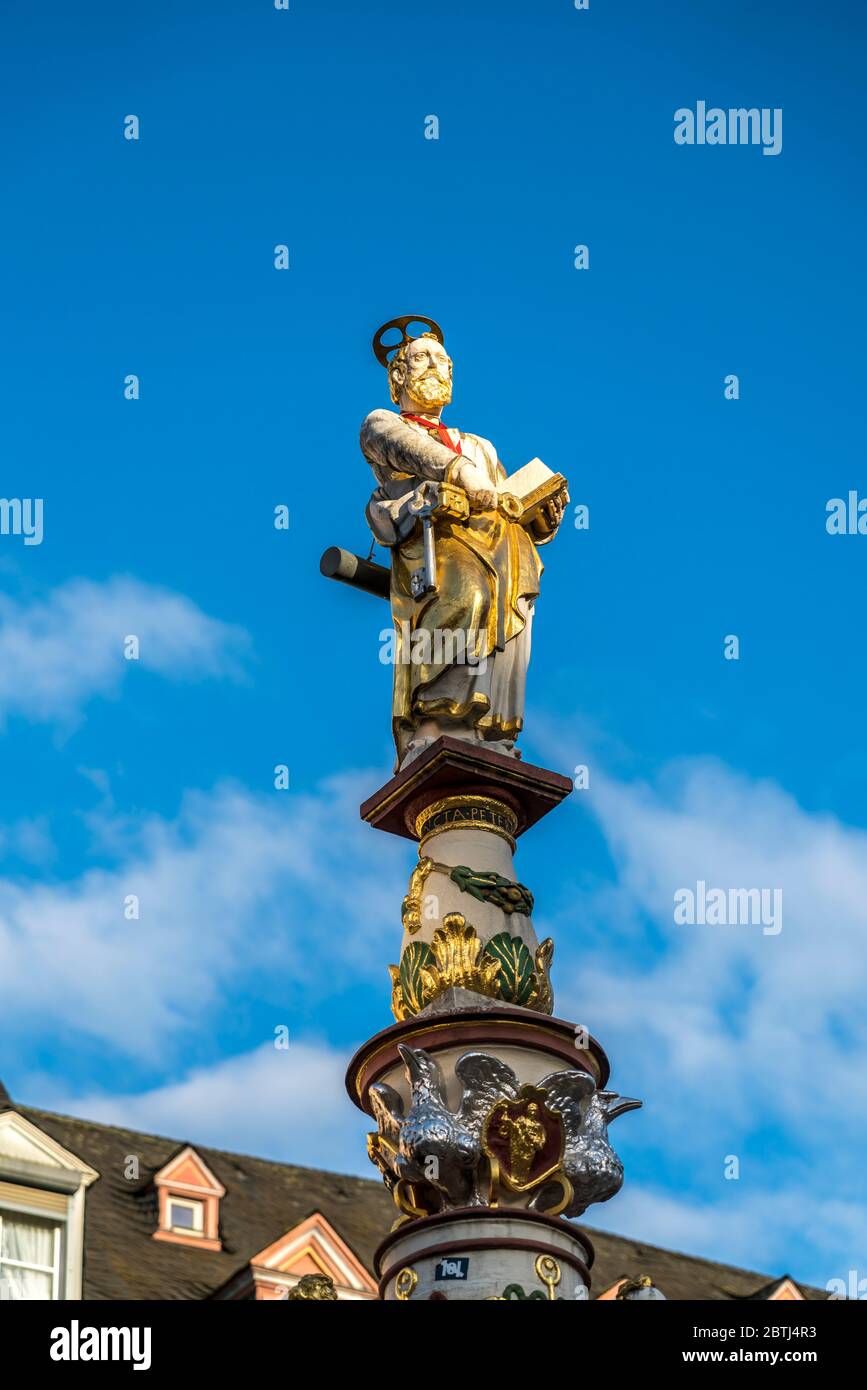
x=422 y=378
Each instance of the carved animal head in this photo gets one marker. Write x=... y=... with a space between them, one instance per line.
x=423 y=1074
x=605 y=1106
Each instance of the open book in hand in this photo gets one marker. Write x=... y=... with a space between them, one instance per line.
x=530 y=488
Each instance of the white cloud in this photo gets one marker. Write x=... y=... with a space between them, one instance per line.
x=58 y=652
x=767 y=1018
x=289 y=1105
x=739 y=1042
x=776 y=1230
x=283 y=885
x=28 y=839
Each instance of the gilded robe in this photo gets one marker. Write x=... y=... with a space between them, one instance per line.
x=488 y=571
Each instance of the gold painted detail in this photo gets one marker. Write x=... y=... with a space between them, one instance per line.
x=510 y=506
x=532 y=503
x=525 y=1136
x=413 y=1200
x=455 y=958
x=548 y=1271
x=383 y=1154
x=630 y=1286
x=525 y=1144
x=567 y=1192
x=398 y=1007
x=543 y=998
x=452 y=502
x=523 y=1140
x=460 y=812
x=410 y=912
x=483 y=884
x=409 y=988
x=458 y=960
x=314 y=1286
x=404 y=1283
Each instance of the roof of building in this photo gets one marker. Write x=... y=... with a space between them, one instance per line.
x=265 y=1199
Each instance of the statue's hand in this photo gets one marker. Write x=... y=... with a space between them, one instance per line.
x=483 y=499
x=482 y=496
x=553 y=511
x=549 y=518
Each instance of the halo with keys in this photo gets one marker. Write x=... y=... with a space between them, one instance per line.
x=383 y=352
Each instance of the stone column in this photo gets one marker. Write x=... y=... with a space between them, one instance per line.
x=491 y=1114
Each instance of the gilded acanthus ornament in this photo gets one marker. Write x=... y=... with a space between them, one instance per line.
x=455 y=958
x=458 y=960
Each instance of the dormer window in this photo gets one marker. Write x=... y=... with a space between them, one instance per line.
x=188 y=1204
x=186 y=1217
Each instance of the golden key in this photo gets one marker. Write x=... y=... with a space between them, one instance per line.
x=548 y=1271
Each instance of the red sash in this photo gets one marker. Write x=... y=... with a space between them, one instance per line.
x=433 y=427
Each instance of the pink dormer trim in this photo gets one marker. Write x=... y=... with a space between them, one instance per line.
x=785 y=1291
x=187 y=1178
x=312 y=1247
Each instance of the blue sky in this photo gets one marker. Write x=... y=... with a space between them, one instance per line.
x=260 y=908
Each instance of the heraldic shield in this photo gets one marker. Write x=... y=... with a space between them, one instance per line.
x=524 y=1142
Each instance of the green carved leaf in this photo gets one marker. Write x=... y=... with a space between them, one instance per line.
x=517 y=976
x=491 y=887
x=468 y=881
x=417 y=955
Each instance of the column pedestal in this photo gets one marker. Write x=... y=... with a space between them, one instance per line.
x=491 y=1114
x=473 y=1255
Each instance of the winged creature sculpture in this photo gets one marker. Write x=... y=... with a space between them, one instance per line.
x=437 y=1151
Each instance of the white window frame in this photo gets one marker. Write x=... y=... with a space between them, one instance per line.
x=31 y=1158
x=198 y=1209
x=58 y=1223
